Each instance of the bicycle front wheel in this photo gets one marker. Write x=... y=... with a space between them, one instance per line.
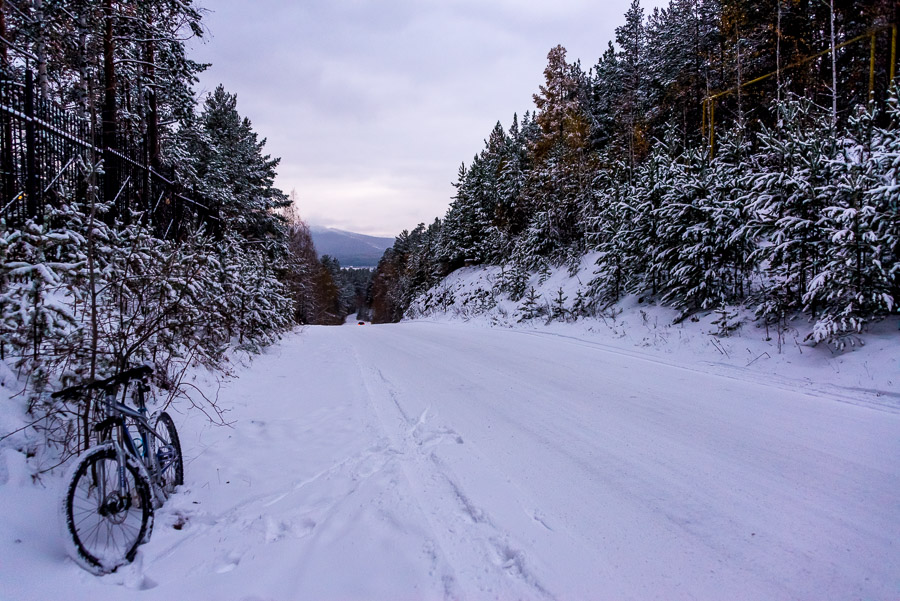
x=168 y=454
x=108 y=510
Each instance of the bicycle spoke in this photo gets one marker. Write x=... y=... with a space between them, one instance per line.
x=107 y=518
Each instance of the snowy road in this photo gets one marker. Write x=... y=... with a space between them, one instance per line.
x=434 y=461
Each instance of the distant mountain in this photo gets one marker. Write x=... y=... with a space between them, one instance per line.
x=351 y=249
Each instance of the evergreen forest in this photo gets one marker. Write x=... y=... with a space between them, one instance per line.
x=95 y=276
x=719 y=152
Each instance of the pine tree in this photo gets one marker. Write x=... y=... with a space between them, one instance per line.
x=605 y=90
x=511 y=211
x=531 y=307
x=886 y=196
x=645 y=272
x=684 y=252
x=41 y=264
x=612 y=236
x=234 y=174
x=684 y=38
x=558 y=310
x=787 y=206
x=560 y=179
x=854 y=284
x=581 y=306
x=633 y=71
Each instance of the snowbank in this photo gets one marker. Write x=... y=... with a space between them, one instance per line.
x=869 y=369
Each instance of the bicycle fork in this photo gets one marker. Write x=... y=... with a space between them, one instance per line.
x=112 y=503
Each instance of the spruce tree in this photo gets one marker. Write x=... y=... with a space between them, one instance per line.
x=234 y=174
x=611 y=234
x=786 y=205
x=558 y=310
x=855 y=283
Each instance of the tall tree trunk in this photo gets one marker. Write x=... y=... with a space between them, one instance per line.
x=9 y=182
x=4 y=54
x=109 y=129
x=152 y=107
x=81 y=63
x=778 y=55
x=740 y=82
x=110 y=109
x=834 y=91
x=40 y=48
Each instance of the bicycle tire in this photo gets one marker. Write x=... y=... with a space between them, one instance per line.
x=173 y=475
x=105 y=532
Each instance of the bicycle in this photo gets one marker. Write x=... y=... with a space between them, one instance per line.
x=116 y=484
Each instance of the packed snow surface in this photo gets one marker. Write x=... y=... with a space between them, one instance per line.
x=430 y=460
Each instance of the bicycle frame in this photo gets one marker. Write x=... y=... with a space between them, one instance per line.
x=117 y=413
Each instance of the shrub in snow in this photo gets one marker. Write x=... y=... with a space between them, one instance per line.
x=726 y=322
x=558 y=310
x=80 y=298
x=531 y=307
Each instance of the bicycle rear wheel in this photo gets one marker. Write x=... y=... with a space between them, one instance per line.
x=107 y=513
x=170 y=462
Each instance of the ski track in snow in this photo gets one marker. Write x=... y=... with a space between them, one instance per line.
x=439 y=461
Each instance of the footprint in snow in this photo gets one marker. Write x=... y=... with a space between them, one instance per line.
x=229 y=562
x=541 y=519
x=279 y=529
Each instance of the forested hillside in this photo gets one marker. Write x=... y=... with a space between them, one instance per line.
x=139 y=224
x=358 y=250
x=719 y=152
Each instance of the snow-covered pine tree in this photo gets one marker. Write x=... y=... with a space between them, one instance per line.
x=531 y=307
x=685 y=252
x=610 y=234
x=511 y=210
x=886 y=195
x=534 y=245
x=786 y=206
x=265 y=308
x=558 y=310
x=582 y=306
x=468 y=219
x=234 y=174
x=493 y=205
x=560 y=177
x=603 y=94
x=733 y=243
x=41 y=269
x=423 y=268
x=633 y=71
x=648 y=185
x=855 y=283
x=452 y=232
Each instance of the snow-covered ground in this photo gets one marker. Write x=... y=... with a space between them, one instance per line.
x=429 y=460
x=867 y=367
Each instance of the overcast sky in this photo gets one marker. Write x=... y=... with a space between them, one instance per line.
x=373 y=104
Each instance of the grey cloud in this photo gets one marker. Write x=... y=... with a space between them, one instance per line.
x=391 y=94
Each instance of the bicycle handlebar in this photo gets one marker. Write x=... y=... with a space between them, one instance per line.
x=135 y=373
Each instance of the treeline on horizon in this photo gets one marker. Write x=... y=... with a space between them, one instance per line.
x=792 y=208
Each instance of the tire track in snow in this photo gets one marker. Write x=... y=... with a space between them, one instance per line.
x=467 y=537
